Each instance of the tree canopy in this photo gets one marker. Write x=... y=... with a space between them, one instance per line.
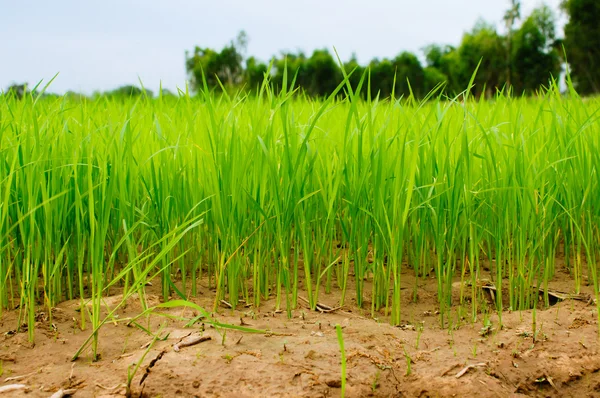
x=534 y=51
x=17 y=90
x=582 y=43
x=525 y=59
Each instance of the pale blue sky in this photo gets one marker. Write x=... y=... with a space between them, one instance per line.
x=103 y=44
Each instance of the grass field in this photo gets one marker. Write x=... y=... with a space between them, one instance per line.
x=270 y=195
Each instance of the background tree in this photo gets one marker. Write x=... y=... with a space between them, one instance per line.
x=526 y=58
x=510 y=17
x=582 y=43
x=432 y=77
x=128 y=91
x=295 y=65
x=224 y=66
x=322 y=75
x=483 y=44
x=445 y=60
x=75 y=96
x=229 y=66
x=17 y=90
x=203 y=61
x=409 y=75
x=534 y=55
x=382 y=77
x=356 y=71
x=254 y=73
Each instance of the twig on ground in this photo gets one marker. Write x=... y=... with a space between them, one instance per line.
x=324 y=308
x=450 y=369
x=271 y=333
x=144 y=346
x=110 y=388
x=150 y=342
x=129 y=354
x=63 y=393
x=15 y=378
x=190 y=342
x=226 y=304
x=12 y=388
x=469 y=367
x=550 y=381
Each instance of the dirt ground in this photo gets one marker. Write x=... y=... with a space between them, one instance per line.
x=301 y=356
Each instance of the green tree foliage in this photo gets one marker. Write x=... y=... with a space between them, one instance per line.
x=535 y=57
x=128 y=91
x=432 y=77
x=401 y=75
x=444 y=60
x=409 y=75
x=217 y=67
x=17 y=90
x=382 y=77
x=166 y=93
x=355 y=71
x=322 y=75
x=483 y=44
x=294 y=65
x=582 y=43
x=525 y=58
x=223 y=67
x=254 y=73
x=510 y=17
x=318 y=75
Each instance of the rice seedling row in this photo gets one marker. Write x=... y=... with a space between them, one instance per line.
x=276 y=194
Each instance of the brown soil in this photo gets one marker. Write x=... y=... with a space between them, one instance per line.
x=301 y=357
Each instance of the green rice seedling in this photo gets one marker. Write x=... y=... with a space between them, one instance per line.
x=134 y=367
x=408 y=362
x=340 y=338
x=274 y=194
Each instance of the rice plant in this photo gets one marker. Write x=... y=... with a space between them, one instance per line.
x=272 y=194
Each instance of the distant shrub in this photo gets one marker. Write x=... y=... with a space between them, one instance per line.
x=17 y=90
